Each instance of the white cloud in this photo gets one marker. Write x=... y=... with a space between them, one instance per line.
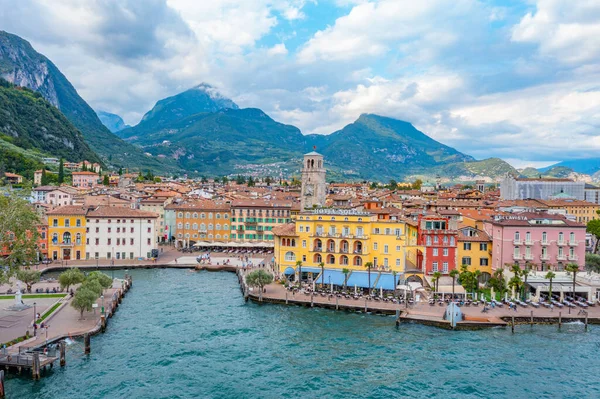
x=278 y=49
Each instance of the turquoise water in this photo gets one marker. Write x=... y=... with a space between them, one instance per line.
x=181 y=334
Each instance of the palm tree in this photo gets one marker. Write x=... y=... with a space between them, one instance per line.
x=454 y=274
x=436 y=281
x=515 y=282
x=369 y=265
x=525 y=273
x=322 y=266
x=394 y=273
x=550 y=275
x=299 y=266
x=345 y=271
x=572 y=268
x=476 y=275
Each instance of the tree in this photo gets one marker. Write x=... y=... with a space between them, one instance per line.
x=83 y=167
x=61 y=171
x=29 y=277
x=268 y=180
x=18 y=233
x=93 y=285
x=44 y=181
x=106 y=180
x=454 y=274
x=345 y=272
x=572 y=268
x=550 y=276
x=592 y=262
x=593 y=227
x=225 y=180
x=476 y=276
x=394 y=273
x=104 y=280
x=373 y=186
x=393 y=185
x=525 y=273
x=240 y=179
x=299 y=266
x=120 y=171
x=322 y=266
x=416 y=185
x=369 y=265
x=251 y=182
x=259 y=278
x=70 y=277
x=497 y=282
x=83 y=300
x=435 y=278
x=465 y=278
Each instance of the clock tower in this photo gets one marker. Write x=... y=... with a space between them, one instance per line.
x=313 y=181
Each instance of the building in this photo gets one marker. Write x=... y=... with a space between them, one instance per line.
x=13 y=178
x=542 y=241
x=314 y=188
x=157 y=206
x=85 y=179
x=475 y=251
x=66 y=232
x=582 y=211
x=202 y=220
x=347 y=239
x=39 y=194
x=438 y=235
x=119 y=233
x=60 y=196
x=523 y=188
x=254 y=220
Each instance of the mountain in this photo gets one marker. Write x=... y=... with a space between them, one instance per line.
x=376 y=147
x=22 y=65
x=492 y=167
x=222 y=142
x=113 y=122
x=32 y=128
x=199 y=99
x=588 y=166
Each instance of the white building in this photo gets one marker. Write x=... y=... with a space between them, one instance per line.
x=523 y=188
x=120 y=233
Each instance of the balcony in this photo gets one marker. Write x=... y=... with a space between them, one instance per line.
x=528 y=256
x=517 y=257
x=330 y=250
x=344 y=250
x=317 y=249
x=573 y=243
x=528 y=242
x=517 y=241
x=561 y=257
x=561 y=243
x=573 y=257
x=544 y=257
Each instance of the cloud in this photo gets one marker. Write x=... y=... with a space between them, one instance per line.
x=278 y=49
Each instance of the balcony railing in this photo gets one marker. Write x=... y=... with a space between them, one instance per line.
x=518 y=257
x=544 y=257
x=561 y=243
x=528 y=256
x=573 y=243
x=317 y=249
x=528 y=242
x=573 y=257
x=561 y=257
x=546 y=242
x=517 y=241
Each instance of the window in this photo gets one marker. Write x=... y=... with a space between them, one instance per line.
x=517 y=252
x=428 y=240
x=97 y=229
x=544 y=237
x=483 y=246
x=572 y=237
x=517 y=236
x=435 y=239
x=290 y=256
x=55 y=223
x=132 y=229
x=397 y=248
x=528 y=236
x=483 y=262
x=109 y=241
x=149 y=241
x=109 y=229
x=467 y=246
x=445 y=240
x=78 y=223
x=445 y=267
x=398 y=262
x=375 y=246
x=385 y=249
x=452 y=241
x=445 y=251
x=194 y=226
x=67 y=223
x=435 y=252
x=435 y=267
x=561 y=237
x=149 y=229
x=97 y=241
x=303 y=243
x=466 y=261
x=131 y=241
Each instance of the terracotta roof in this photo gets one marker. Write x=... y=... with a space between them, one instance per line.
x=523 y=218
x=68 y=210
x=261 y=204
x=85 y=173
x=200 y=205
x=481 y=236
x=288 y=229
x=118 y=212
x=8 y=174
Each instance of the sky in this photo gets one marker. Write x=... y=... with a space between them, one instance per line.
x=513 y=79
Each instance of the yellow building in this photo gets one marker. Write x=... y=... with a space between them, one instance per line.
x=66 y=232
x=584 y=211
x=201 y=220
x=347 y=239
x=475 y=251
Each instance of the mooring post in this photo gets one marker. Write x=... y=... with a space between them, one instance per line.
x=531 y=318
x=103 y=323
x=286 y=298
x=35 y=366
x=365 y=305
x=311 y=300
x=512 y=324
x=559 y=319
x=586 y=321
x=337 y=306
x=2 y=392
x=397 y=317
x=86 y=340
x=63 y=358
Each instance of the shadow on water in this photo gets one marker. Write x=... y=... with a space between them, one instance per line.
x=186 y=335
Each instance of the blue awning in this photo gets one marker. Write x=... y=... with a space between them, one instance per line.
x=332 y=276
x=289 y=271
x=311 y=269
x=386 y=281
x=361 y=279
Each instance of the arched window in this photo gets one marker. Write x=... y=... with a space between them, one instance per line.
x=343 y=260
x=226 y=227
x=317 y=258
x=357 y=261
x=203 y=216
x=217 y=226
x=225 y=216
x=218 y=236
x=225 y=236
x=194 y=215
x=290 y=256
x=218 y=215
x=67 y=237
x=318 y=246
x=210 y=226
x=187 y=215
x=210 y=215
x=180 y=215
x=187 y=226
x=202 y=226
x=195 y=226
x=180 y=225
x=210 y=236
x=330 y=259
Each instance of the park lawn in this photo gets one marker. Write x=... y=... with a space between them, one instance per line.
x=34 y=296
x=48 y=312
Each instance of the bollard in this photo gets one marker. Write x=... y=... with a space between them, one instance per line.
x=2 y=392
x=586 y=321
x=512 y=324
x=35 y=366
x=559 y=319
x=286 y=298
x=63 y=358
x=365 y=305
x=311 y=300
x=86 y=339
x=532 y=318
x=337 y=306
x=103 y=323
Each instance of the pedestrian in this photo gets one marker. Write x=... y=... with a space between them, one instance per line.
x=175 y=260
x=552 y=307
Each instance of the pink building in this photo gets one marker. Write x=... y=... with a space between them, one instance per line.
x=540 y=239
x=85 y=179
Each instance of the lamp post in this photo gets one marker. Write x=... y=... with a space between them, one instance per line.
x=34 y=318
x=102 y=297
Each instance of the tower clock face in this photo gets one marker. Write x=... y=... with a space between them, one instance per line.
x=310 y=189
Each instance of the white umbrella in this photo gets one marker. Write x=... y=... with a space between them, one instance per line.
x=354 y=289
x=381 y=292
x=332 y=288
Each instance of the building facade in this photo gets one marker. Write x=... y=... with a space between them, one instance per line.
x=438 y=235
x=66 y=232
x=85 y=179
x=314 y=188
x=254 y=220
x=201 y=220
x=475 y=251
x=522 y=188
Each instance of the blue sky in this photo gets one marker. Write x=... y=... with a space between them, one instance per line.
x=514 y=79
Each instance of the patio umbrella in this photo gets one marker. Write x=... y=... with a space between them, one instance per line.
x=354 y=289
x=381 y=292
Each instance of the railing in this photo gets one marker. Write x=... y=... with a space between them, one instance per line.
x=573 y=257
x=573 y=243
x=518 y=257
x=317 y=249
x=517 y=241
x=544 y=257
x=545 y=242
x=561 y=257
x=528 y=257
x=561 y=243
x=529 y=242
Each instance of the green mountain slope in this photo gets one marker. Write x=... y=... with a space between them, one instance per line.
x=22 y=65
x=113 y=122
x=380 y=147
x=29 y=122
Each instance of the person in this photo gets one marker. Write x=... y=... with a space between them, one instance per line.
x=552 y=307
x=35 y=329
x=175 y=260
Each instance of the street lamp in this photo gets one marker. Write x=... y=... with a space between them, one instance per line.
x=34 y=318
x=102 y=297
